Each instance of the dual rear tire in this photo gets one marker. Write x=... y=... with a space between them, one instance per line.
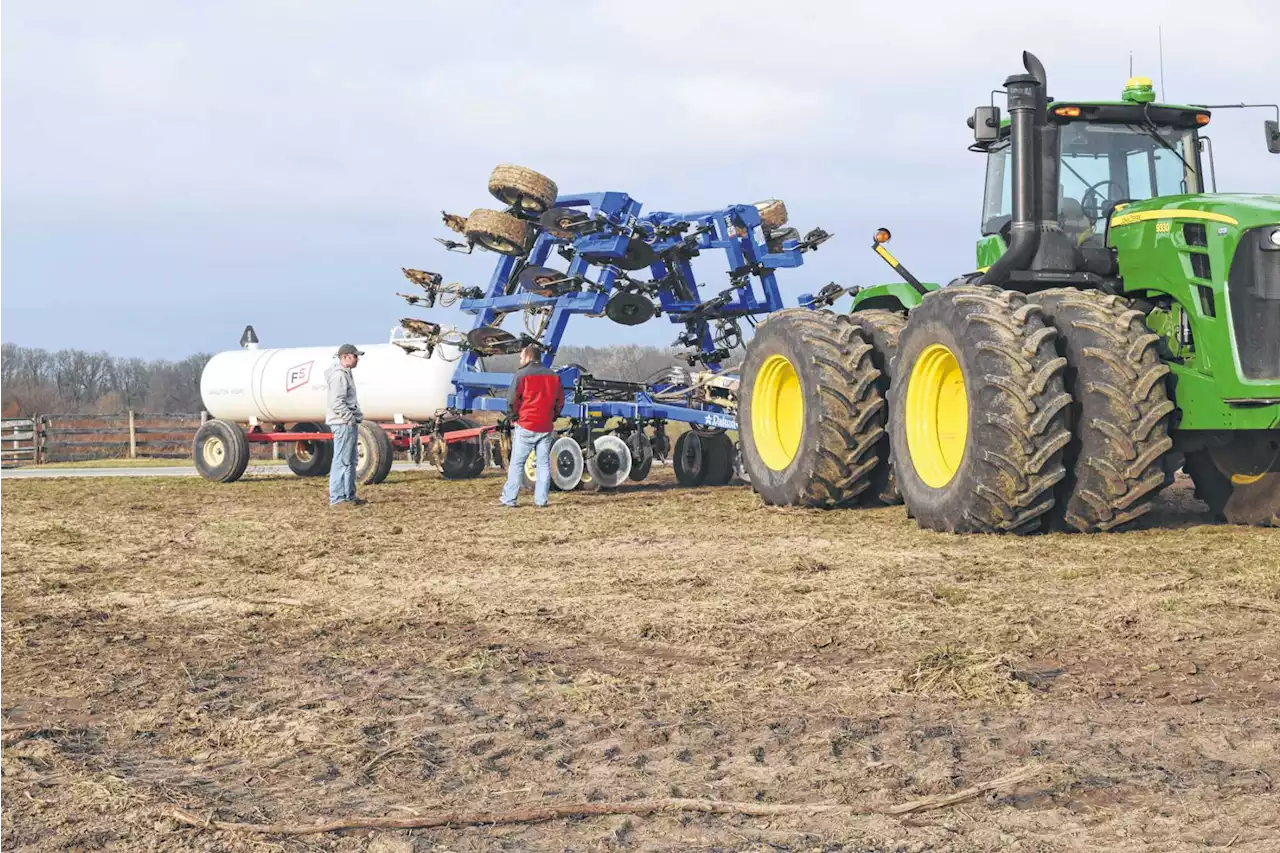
x=1005 y=413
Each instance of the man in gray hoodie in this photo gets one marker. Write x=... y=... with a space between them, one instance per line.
x=342 y=414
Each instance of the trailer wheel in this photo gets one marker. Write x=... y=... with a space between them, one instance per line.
x=1119 y=413
x=463 y=460
x=374 y=454
x=882 y=328
x=978 y=412
x=309 y=458
x=522 y=188
x=811 y=416
x=498 y=232
x=220 y=451
x=1240 y=481
x=641 y=455
x=689 y=460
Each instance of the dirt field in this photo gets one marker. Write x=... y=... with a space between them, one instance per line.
x=247 y=653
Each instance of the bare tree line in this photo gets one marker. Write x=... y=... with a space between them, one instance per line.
x=38 y=381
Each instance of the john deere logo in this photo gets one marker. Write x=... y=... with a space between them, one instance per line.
x=298 y=376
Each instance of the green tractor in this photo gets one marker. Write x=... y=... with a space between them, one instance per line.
x=1123 y=322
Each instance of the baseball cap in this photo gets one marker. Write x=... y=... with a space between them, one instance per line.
x=349 y=349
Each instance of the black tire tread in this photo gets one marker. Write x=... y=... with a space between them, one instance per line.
x=1016 y=441
x=852 y=409
x=882 y=328
x=1121 y=410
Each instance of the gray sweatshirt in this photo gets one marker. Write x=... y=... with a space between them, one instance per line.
x=340 y=404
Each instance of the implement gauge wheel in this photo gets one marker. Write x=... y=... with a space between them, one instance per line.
x=309 y=458
x=498 y=232
x=689 y=460
x=641 y=455
x=1119 y=414
x=810 y=414
x=978 y=412
x=464 y=460
x=1241 y=480
x=522 y=188
x=220 y=451
x=881 y=329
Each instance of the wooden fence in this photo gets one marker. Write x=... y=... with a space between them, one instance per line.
x=18 y=441
x=77 y=437
x=132 y=435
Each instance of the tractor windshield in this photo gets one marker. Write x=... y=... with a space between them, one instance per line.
x=1102 y=164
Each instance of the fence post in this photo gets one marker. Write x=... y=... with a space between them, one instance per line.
x=133 y=437
x=275 y=450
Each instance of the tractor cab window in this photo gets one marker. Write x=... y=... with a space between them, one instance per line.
x=997 y=203
x=1105 y=164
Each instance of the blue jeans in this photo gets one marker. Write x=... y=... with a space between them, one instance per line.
x=524 y=442
x=342 y=474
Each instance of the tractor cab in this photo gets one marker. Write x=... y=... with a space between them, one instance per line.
x=1105 y=155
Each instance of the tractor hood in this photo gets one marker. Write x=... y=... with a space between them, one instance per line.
x=1240 y=211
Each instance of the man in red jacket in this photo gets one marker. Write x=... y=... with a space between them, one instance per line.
x=534 y=401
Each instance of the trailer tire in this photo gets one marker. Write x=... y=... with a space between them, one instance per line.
x=463 y=460
x=882 y=328
x=220 y=451
x=374 y=454
x=810 y=414
x=1119 y=414
x=498 y=232
x=522 y=188
x=978 y=412
x=689 y=460
x=309 y=458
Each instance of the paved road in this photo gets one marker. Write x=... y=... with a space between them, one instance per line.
x=41 y=473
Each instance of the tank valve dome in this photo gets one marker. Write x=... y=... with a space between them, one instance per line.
x=249 y=339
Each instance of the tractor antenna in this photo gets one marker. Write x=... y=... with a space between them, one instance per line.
x=1164 y=96
x=1131 y=63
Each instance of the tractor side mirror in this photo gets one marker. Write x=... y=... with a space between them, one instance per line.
x=1273 y=135
x=986 y=124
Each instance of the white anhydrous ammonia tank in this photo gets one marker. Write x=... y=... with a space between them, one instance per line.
x=288 y=386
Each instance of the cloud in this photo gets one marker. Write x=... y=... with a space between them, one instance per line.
x=292 y=155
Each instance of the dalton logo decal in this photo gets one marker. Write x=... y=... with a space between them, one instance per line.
x=298 y=376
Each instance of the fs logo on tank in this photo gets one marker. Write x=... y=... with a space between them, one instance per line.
x=296 y=377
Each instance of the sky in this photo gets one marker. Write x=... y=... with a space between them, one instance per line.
x=173 y=171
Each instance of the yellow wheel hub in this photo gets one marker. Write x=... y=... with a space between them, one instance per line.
x=1247 y=479
x=937 y=416
x=531 y=467
x=214 y=451
x=777 y=412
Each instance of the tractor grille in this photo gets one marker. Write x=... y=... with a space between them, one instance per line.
x=1195 y=234
x=1254 y=289
x=1200 y=266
